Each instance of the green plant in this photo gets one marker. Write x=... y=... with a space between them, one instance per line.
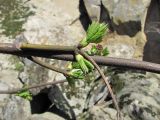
x=25 y=94
x=98 y=50
x=95 y=33
x=79 y=69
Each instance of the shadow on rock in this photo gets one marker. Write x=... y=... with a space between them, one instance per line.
x=152 y=30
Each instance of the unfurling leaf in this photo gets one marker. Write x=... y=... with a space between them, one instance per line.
x=76 y=73
x=25 y=94
x=84 y=64
x=105 y=51
x=95 y=33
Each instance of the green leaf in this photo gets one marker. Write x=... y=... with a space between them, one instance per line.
x=89 y=65
x=105 y=51
x=80 y=60
x=75 y=65
x=94 y=50
x=95 y=33
x=76 y=73
x=25 y=94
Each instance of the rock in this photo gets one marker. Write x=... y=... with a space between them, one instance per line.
x=56 y=97
x=33 y=74
x=123 y=46
x=97 y=93
x=15 y=108
x=139 y=102
x=3 y=99
x=93 y=9
x=45 y=116
x=152 y=47
x=128 y=16
x=152 y=31
x=13 y=15
x=125 y=17
x=48 y=27
x=99 y=113
x=10 y=77
x=137 y=95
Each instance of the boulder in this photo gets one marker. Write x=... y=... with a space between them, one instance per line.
x=128 y=16
x=137 y=94
x=15 y=108
x=45 y=116
x=152 y=31
x=93 y=8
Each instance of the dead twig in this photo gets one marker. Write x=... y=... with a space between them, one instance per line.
x=14 y=91
x=46 y=65
x=105 y=80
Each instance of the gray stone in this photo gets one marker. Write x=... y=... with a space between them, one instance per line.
x=45 y=116
x=152 y=31
x=137 y=95
x=3 y=97
x=152 y=47
x=93 y=9
x=15 y=108
x=127 y=16
x=57 y=98
x=97 y=93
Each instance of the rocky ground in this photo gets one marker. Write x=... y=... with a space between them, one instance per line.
x=64 y=23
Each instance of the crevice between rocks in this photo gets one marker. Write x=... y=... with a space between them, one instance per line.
x=152 y=31
x=51 y=100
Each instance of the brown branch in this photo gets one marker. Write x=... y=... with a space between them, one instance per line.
x=48 y=48
x=14 y=91
x=46 y=65
x=105 y=80
x=68 y=55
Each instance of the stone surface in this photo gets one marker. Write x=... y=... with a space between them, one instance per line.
x=128 y=16
x=152 y=30
x=137 y=95
x=93 y=9
x=123 y=46
x=45 y=116
x=152 y=47
x=15 y=108
x=50 y=25
x=56 y=97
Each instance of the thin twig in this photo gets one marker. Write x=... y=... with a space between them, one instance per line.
x=14 y=91
x=8 y=48
x=105 y=80
x=46 y=65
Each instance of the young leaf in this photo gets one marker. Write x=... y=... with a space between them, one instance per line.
x=84 y=64
x=94 y=34
x=94 y=50
x=80 y=60
x=105 y=51
x=25 y=94
x=76 y=73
